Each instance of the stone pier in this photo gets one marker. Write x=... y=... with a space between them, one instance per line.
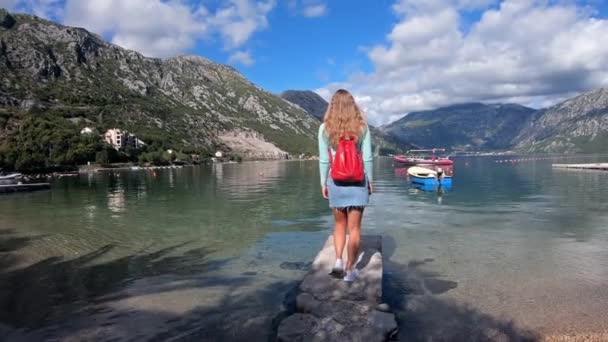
x=330 y=309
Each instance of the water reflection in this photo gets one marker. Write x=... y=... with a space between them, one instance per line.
x=116 y=202
x=243 y=181
x=506 y=236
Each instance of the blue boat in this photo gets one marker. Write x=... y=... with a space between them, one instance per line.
x=432 y=188
x=429 y=178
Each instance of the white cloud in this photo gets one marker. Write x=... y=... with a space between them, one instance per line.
x=241 y=57
x=308 y=8
x=240 y=19
x=315 y=11
x=525 y=51
x=158 y=28
x=152 y=27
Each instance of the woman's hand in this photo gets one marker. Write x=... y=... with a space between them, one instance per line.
x=325 y=192
x=370 y=187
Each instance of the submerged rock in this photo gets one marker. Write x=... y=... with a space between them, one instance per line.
x=299 y=265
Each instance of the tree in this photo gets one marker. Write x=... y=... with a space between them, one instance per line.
x=48 y=142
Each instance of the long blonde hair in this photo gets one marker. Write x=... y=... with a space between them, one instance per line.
x=343 y=116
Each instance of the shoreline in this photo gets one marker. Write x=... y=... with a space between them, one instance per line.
x=576 y=337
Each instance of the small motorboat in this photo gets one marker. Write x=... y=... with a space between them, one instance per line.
x=424 y=176
x=10 y=176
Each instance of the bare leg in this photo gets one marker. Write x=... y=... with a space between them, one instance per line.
x=339 y=232
x=354 y=236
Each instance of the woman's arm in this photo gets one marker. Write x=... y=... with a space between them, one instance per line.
x=323 y=155
x=368 y=156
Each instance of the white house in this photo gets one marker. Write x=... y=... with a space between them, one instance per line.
x=87 y=130
x=122 y=139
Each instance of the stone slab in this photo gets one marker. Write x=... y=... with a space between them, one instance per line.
x=368 y=287
x=329 y=309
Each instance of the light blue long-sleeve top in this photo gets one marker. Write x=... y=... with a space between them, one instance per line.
x=364 y=145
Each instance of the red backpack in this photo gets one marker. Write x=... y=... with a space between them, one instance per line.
x=347 y=164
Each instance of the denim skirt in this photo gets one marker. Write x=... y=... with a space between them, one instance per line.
x=347 y=195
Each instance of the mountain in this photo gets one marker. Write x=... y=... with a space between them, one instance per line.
x=470 y=126
x=316 y=106
x=308 y=100
x=186 y=103
x=577 y=125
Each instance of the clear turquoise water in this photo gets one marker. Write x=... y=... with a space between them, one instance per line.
x=212 y=252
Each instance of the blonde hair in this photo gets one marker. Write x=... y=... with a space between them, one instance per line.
x=343 y=116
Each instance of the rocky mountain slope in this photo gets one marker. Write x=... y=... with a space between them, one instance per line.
x=316 y=106
x=308 y=100
x=187 y=101
x=472 y=126
x=579 y=124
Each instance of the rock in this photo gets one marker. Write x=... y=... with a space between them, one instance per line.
x=383 y=307
x=259 y=322
x=306 y=303
x=306 y=327
x=299 y=265
x=383 y=323
x=7 y=21
x=329 y=330
x=298 y=327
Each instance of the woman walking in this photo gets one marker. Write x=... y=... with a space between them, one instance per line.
x=345 y=165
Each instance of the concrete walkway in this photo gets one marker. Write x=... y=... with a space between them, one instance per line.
x=329 y=309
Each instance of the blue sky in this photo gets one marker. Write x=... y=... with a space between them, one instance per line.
x=396 y=56
x=306 y=53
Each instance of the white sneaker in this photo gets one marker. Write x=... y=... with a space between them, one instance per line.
x=351 y=275
x=338 y=269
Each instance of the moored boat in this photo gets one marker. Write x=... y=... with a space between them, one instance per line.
x=10 y=176
x=423 y=161
x=420 y=160
x=424 y=176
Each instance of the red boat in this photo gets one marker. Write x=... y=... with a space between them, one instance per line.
x=416 y=160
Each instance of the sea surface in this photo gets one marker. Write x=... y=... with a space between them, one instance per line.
x=214 y=252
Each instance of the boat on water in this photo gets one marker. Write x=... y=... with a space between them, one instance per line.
x=428 y=177
x=410 y=159
x=10 y=176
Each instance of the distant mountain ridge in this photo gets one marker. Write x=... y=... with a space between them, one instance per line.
x=470 y=126
x=308 y=100
x=185 y=102
x=579 y=124
x=316 y=106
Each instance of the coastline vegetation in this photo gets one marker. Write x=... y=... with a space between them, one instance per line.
x=49 y=142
